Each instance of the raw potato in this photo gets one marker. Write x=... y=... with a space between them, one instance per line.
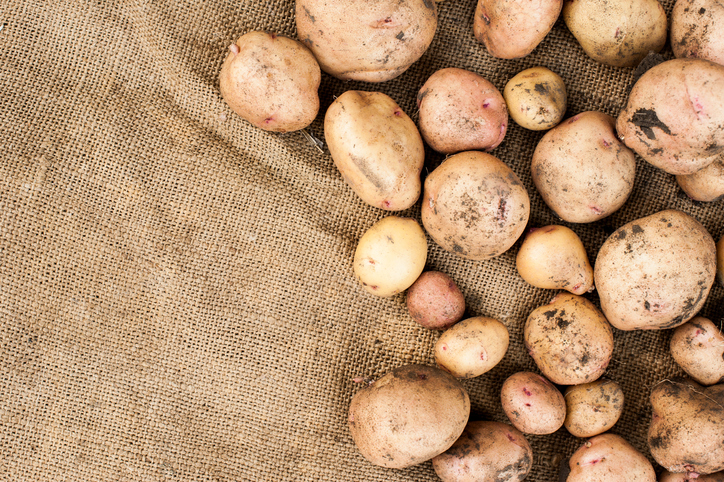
x=271 y=81
x=408 y=416
x=720 y=261
x=569 y=339
x=536 y=98
x=390 y=256
x=617 y=32
x=474 y=205
x=698 y=348
x=655 y=272
x=372 y=41
x=667 y=476
x=581 y=170
x=697 y=29
x=706 y=185
x=376 y=147
x=609 y=458
x=498 y=23
x=532 y=403
x=673 y=117
x=491 y=451
x=553 y=257
x=472 y=347
x=461 y=111
x=435 y=301
x=593 y=408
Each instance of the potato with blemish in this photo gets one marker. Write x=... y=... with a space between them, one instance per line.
x=608 y=458
x=532 y=403
x=667 y=476
x=592 y=408
x=697 y=29
x=271 y=81
x=705 y=185
x=656 y=272
x=376 y=147
x=698 y=348
x=536 y=98
x=472 y=347
x=485 y=451
x=581 y=170
x=435 y=301
x=474 y=205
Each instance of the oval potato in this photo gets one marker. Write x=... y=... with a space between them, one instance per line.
x=536 y=98
x=593 y=408
x=472 y=346
x=698 y=348
x=532 y=404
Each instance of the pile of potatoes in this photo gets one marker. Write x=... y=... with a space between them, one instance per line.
x=653 y=273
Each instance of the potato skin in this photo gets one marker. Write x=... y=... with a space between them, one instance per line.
x=593 y=408
x=667 y=476
x=698 y=348
x=720 y=260
x=434 y=301
x=697 y=29
x=408 y=416
x=536 y=98
x=532 y=403
x=609 y=458
x=705 y=185
x=472 y=347
x=376 y=147
x=655 y=273
x=271 y=81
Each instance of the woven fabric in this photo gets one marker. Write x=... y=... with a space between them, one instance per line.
x=177 y=300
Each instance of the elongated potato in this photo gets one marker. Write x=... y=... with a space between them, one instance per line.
x=532 y=404
x=472 y=347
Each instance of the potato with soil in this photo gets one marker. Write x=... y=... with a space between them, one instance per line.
x=697 y=29
x=673 y=117
x=617 y=32
x=569 y=339
x=655 y=273
x=667 y=476
x=271 y=81
x=698 y=348
x=460 y=110
x=536 y=98
x=376 y=147
x=608 y=458
x=472 y=347
x=408 y=416
x=581 y=170
x=371 y=41
x=435 y=301
x=512 y=29
x=533 y=405
x=486 y=451
x=593 y=408
x=705 y=185
x=474 y=205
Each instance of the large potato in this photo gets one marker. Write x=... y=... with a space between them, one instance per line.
x=408 y=416
x=655 y=272
x=698 y=348
x=609 y=458
x=697 y=29
x=593 y=408
x=368 y=40
x=376 y=147
x=472 y=347
x=536 y=98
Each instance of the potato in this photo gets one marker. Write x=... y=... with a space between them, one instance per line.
x=486 y=451
x=697 y=29
x=720 y=260
x=460 y=110
x=472 y=347
x=581 y=170
x=698 y=348
x=687 y=426
x=553 y=257
x=609 y=458
x=667 y=476
x=705 y=185
x=390 y=256
x=435 y=301
x=592 y=408
x=376 y=147
x=372 y=41
x=655 y=272
x=511 y=29
x=474 y=205
x=617 y=32
x=569 y=339
x=532 y=403
x=536 y=98
x=408 y=416
x=673 y=117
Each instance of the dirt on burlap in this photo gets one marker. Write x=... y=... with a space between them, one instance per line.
x=177 y=300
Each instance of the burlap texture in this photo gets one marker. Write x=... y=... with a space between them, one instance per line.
x=177 y=299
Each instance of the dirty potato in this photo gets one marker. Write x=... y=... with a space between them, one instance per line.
x=593 y=408
x=697 y=29
x=536 y=98
x=705 y=185
x=698 y=348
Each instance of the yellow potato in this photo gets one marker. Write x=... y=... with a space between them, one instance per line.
x=536 y=98
x=472 y=346
x=705 y=185
x=592 y=408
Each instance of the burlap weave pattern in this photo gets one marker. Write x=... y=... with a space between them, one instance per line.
x=177 y=300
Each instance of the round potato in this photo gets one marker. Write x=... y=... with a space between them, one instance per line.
x=472 y=347
x=592 y=408
x=376 y=147
x=705 y=185
x=697 y=29
x=408 y=416
x=435 y=301
x=698 y=348
x=536 y=98
x=532 y=403
x=609 y=458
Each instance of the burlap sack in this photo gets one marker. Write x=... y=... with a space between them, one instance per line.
x=177 y=297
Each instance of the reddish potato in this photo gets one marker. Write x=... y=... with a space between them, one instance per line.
x=435 y=301
x=472 y=347
x=698 y=347
x=532 y=403
x=609 y=458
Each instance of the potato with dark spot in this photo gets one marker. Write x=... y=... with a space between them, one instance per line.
x=705 y=185
x=532 y=403
x=593 y=408
x=485 y=451
x=472 y=347
x=536 y=98
x=435 y=301
x=667 y=476
x=698 y=348
x=609 y=458
x=697 y=29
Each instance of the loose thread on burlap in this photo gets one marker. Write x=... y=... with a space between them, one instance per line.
x=690 y=388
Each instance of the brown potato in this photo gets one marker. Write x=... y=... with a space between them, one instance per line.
x=667 y=476
x=698 y=348
x=581 y=170
x=536 y=98
x=532 y=403
x=271 y=81
x=408 y=416
x=472 y=347
x=593 y=408
x=474 y=205
x=697 y=29
x=655 y=272
x=609 y=458
x=435 y=301
x=705 y=185
x=376 y=147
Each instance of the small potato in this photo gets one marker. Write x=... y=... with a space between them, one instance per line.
x=609 y=458
x=536 y=98
x=667 y=476
x=706 y=185
x=698 y=348
x=435 y=301
x=390 y=256
x=376 y=147
x=485 y=451
x=532 y=403
x=697 y=29
x=271 y=81
x=593 y=408
x=472 y=347
x=461 y=111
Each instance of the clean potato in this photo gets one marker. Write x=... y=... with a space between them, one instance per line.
x=697 y=29
x=435 y=301
x=536 y=98
x=705 y=185
x=592 y=408
x=698 y=348
x=609 y=458
x=376 y=147
x=472 y=347
x=532 y=403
